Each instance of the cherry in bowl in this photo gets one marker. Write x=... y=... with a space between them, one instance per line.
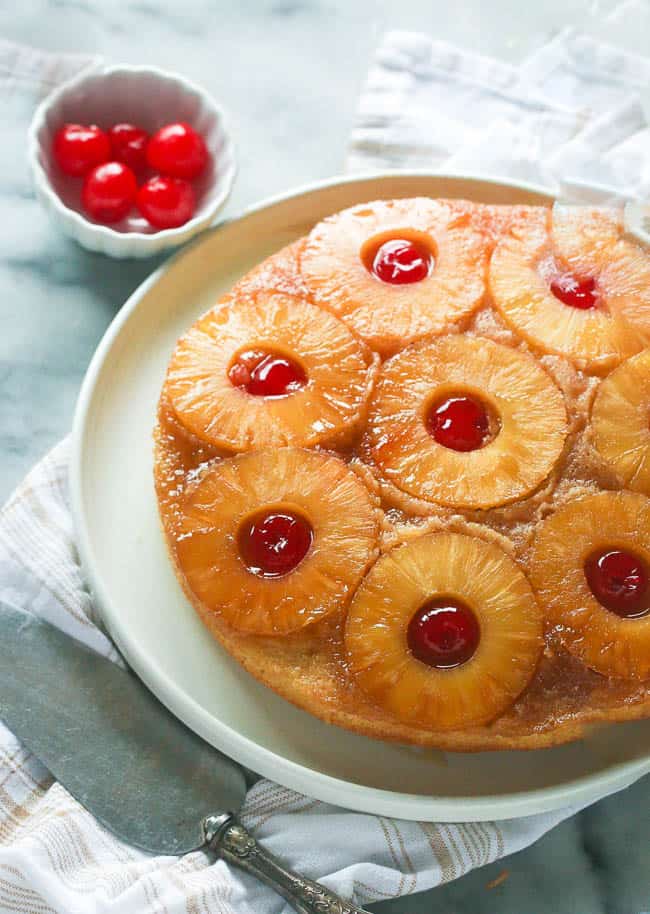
x=108 y=192
x=78 y=148
x=129 y=145
x=177 y=150
x=166 y=202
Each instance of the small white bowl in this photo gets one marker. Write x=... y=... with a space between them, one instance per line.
x=150 y=98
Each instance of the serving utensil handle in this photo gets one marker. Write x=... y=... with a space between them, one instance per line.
x=228 y=838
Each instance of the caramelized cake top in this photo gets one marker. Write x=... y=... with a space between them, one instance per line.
x=393 y=464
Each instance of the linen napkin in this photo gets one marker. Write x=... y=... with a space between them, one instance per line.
x=574 y=117
x=53 y=856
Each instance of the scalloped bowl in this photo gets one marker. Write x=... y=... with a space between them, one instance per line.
x=150 y=98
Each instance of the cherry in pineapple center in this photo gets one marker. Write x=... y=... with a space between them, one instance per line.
x=274 y=541
x=575 y=292
x=619 y=581
x=444 y=633
x=399 y=261
x=263 y=373
x=461 y=421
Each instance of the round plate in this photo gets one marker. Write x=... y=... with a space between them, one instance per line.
x=161 y=636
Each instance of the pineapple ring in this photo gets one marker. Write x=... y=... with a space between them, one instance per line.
x=482 y=576
x=528 y=405
x=278 y=273
x=601 y=639
x=321 y=487
x=620 y=425
x=587 y=243
x=388 y=317
x=329 y=406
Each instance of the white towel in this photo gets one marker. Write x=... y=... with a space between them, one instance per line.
x=53 y=856
x=574 y=117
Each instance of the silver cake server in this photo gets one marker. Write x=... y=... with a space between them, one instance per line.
x=128 y=760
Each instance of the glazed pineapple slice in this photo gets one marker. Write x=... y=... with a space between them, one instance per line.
x=276 y=539
x=569 y=283
x=268 y=368
x=497 y=220
x=397 y=270
x=589 y=568
x=278 y=273
x=444 y=632
x=620 y=422
x=465 y=422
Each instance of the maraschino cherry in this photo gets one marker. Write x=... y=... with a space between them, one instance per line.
x=109 y=191
x=274 y=541
x=619 y=581
x=460 y=423
x=166 y=202
x=399 y=262
x=443 y=633
x=79 y=148
x=108 y=161
x=129 y=145
x=177 y=150
x=266 y=374
x=574 y=292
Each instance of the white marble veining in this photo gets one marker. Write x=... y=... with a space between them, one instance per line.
x=289 y=71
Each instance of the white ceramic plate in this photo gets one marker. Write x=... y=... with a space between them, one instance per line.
x=157 y=630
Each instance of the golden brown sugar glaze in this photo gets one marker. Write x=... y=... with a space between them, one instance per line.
x=564 y=698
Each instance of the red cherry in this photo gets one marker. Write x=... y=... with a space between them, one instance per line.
x=443 y=633
x=577 y=293
x=459 y=423
x=78 y=148
x=109 y=191
x=619 y=581
x=266 y=374
x=177 y=150
x=274 y=541
x=128 y=145
x=399 y=262
x=166 y=202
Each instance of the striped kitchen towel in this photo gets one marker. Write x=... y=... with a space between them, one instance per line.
x=56 y=859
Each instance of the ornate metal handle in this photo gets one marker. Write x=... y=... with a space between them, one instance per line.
x=229 y=839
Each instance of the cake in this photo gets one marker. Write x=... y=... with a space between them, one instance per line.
x=403 y=472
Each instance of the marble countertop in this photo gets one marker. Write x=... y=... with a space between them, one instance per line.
x=290 y=72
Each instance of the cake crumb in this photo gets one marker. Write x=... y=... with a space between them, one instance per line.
x=499 y=880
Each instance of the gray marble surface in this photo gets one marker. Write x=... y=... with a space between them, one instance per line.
x=290 y=72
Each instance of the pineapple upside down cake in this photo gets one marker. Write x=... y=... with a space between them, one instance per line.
x=403 y=470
